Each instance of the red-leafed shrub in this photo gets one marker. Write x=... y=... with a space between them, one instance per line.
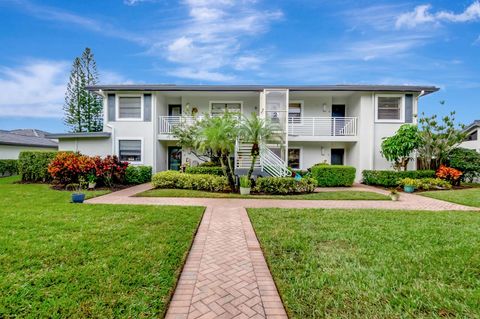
x=449 y=174
x=67 y=168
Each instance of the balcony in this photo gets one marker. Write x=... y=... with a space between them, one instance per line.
x=299 y=129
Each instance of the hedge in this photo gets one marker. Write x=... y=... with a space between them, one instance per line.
x=211 y=170
x=175 y=179
x=33 y=165
x=392 y=178
x=8 y=167
x=284 y=185
x=138 y=174
x=333 y=175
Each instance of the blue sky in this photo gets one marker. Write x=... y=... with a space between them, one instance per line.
x=245 y=42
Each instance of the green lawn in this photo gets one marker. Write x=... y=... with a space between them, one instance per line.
x=468 y=197
x=373 y=264
x=340 y=195
x=67 y=260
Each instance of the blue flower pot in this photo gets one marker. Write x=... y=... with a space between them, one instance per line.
x=409 y=189
x=78 y=198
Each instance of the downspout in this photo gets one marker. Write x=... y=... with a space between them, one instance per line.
x=416 y=123
x=102 y=94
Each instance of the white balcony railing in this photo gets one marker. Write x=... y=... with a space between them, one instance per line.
x=322 y=126
x=302 y=126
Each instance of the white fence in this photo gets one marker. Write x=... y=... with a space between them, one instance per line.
x=322 y=126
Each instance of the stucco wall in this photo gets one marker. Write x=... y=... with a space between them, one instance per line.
x=12 y=151
x=87 y=146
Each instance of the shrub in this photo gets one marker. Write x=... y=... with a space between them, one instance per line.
x=211 y=170
x=449 y=174
x=8 y=167
x=467 y=161
x=333 y=175
x=112 y=170
x=425 y=183
x=67 y=167
x=245 y=182
x=285 y=185
x=33 y=165
x=138 y=174
x=391 y=178
x=175 y=179
x=209 y=164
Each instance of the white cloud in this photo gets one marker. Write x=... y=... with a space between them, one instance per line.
x=111 y=77
x=196 y=74
x=35 y=89
x=421 y=15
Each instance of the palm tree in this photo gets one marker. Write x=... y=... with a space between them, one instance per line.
x=254 y=130
x=219 y=135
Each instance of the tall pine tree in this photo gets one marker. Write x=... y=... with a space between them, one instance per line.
x=83 y=109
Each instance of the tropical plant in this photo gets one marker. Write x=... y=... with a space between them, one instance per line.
x=438 y=139
x=399 y=147
x=219 y=135
x=245 y=182
x=83 y=109
x=254 y=130
x=467 y=161
x=449 y=174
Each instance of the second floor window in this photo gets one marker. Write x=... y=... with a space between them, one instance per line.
x=218 y=108
x=130 y=107
x=389 y=108
x=295 y=110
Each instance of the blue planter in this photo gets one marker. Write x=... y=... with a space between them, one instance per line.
x=409 y=189
x=78 y=198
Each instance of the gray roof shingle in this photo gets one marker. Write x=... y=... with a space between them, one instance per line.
x=9 y=138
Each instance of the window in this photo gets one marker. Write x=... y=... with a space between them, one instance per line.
x=218 y=108
x=336 y=156
x=130 y=150
x=389 y=108
x=294 y=158
x=130 y=107
x=472 y=136
x=295 y=110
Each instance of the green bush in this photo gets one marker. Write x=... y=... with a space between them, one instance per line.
x=467 y=161
x=8 y=167
x=391 y=178
x=208 y=164
x=425 y=183
x=284 y=185
x=333 y=175
x=175 y=179
x=33 y=165
x=211 y=170
x=138 y=174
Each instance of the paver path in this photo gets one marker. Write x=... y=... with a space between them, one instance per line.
x=226 y=275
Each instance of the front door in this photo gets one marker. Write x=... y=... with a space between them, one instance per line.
x=337 y=156
x=174 y=158
x=174 y=110
x=338 y=110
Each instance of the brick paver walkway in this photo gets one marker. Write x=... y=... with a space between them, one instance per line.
x=226 y=275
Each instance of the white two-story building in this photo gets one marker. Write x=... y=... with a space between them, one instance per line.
x=337 y=124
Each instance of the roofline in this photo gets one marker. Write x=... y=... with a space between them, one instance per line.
x=27 y=144
x=79 y=135
x=257 y=88
x=472 y=125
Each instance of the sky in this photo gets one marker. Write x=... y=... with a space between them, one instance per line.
x=238 y=42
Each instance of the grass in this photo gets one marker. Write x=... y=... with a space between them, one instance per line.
x=373 y=263
x=467 y=197
x=337 y=195
x=67 y=260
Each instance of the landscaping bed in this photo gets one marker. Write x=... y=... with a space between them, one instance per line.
x=337 y=195
x=372 y=263
x=75 y=261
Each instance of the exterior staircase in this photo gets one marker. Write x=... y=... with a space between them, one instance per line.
x=267 y=163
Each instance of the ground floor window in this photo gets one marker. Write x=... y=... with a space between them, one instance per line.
x=337 y=155
x=130 y=150
x=294 y=158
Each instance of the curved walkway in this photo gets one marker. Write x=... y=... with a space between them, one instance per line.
x=226 y=275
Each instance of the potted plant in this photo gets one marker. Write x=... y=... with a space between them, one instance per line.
x=245 y=185
x=78 y=196
x=92 y=181
x=409 y=184
x=394 y=194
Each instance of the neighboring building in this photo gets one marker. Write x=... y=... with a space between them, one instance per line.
x=15 y=141
x=472 y=141
x=338 y=124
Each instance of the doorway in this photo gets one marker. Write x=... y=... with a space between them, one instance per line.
x=174 y=158
x=336 y=157
x=338 y=110
x=174 y=109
